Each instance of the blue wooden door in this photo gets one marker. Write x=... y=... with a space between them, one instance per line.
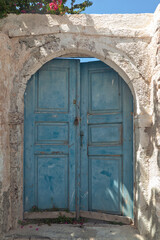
x=78 y=139
x=50 y=136
x=106 y=141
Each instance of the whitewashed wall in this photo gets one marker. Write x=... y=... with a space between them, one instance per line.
x=130 y=44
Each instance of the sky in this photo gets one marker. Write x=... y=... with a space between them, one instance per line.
x=122 y=6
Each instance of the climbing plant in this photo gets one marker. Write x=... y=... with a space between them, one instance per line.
x=58 y=7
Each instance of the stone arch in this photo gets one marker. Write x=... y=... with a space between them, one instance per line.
x=116 y=61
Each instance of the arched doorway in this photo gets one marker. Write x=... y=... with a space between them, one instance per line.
x=78 y=139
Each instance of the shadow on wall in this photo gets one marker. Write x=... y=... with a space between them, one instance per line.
x=155 y=195
x=146 y=188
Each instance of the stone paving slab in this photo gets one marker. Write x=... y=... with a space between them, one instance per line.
x=70 y=232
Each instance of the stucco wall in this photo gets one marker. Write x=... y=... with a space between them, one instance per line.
x=130 y=44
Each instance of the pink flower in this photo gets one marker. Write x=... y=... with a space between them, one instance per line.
x=37 y=229
x=51 y=5
x=55 y=4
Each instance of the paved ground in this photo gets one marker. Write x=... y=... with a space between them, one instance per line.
x=88 y=231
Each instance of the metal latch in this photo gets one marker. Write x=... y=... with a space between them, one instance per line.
x=76 y=121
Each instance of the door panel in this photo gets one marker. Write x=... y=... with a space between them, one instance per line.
x=104 y=96
x=104 y=184
x=106 y=126
x=102 y=134
x=52 y=182
x=52 y=132
x=50 y=136
x=56 y=87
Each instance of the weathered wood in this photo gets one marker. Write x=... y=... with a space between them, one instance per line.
x=84 y=214
x=106 y=182
x=43 y=215
x=49 y=156
x=106 y=217
x=52 y=156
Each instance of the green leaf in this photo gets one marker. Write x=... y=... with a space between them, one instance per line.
x=41 y=6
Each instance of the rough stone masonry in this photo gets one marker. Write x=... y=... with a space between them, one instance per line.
x=130 y=44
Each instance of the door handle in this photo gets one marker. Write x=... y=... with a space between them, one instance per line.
x=76 y=121
x=81 y=136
